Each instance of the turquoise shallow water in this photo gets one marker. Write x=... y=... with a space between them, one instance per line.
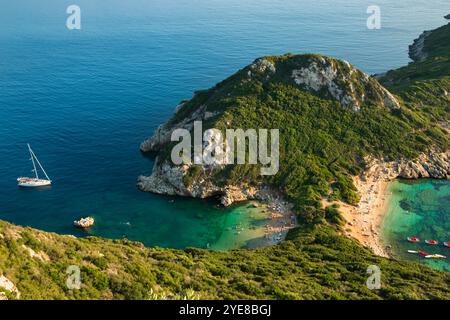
x=418 y=209
x=86 y=99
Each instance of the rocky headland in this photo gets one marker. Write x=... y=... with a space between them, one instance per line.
x=339 y=86
x=416 y=50
x=336 y=80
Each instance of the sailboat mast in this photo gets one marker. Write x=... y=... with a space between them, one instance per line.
x=32 y=160
x=40 y=165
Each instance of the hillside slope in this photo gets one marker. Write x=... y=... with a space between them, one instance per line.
x=313 y=264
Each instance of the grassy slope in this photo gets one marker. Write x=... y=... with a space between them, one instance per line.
x=312 y=264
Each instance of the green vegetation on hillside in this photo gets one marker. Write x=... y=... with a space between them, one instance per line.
x=312 y=264
x=322 y=142
x=425 y=86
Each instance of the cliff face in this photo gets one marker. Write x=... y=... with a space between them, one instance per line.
x=342 y=82
x=417 y=50
x=428 y=165
x=161 y=137
x=167 y=179
x=426 y=79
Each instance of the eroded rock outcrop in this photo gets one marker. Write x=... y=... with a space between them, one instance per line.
x=416 y=50
x=232 y=194
x=167 y=179
x=432 y=164
x=342 y=82
x=262 y=66
x=8 y=285
x=163 y=133
x=38 y=255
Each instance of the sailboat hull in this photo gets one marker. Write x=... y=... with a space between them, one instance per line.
x=32 y=182
x=36 y=181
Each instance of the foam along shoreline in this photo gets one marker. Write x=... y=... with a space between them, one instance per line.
x=364 y=221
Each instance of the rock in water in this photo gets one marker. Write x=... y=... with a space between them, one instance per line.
x=84 y=223
x=447 y=17
x=417 y=50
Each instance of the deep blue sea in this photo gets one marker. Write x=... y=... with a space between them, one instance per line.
x=86 y=98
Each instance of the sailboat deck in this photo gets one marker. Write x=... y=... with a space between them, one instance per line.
x=34 y=182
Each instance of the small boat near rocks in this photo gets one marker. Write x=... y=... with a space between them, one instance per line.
x=84 y=223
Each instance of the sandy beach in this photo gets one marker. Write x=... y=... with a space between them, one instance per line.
x=363 y=222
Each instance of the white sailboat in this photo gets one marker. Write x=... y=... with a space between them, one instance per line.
x=36 y=181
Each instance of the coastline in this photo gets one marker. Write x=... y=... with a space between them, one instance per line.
x=368 y=216
x=280 y=219
x=417 y=208
x=261 y=222
x=364 y=221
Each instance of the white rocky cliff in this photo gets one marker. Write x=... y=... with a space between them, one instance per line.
x=326 y=75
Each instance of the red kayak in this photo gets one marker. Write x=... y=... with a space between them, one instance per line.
x=447 y=244
x=432 y=242
x=423 y=253
x=413 y=239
